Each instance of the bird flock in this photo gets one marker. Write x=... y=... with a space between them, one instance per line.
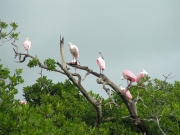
x=126 y=74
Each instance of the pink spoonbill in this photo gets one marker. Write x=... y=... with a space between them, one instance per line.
x=74 y=62
x=129 y=76
x=101 y=62
x=127 y=92
x=27 y=44
x=74 y=51
x=142 y=74
x=22 y=102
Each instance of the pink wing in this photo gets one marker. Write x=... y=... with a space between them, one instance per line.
x=22 y=102
x=129 y=75
x=101 y=63
x=128 y=95
x=74 y=51
x=140 y=75
x=27 y=45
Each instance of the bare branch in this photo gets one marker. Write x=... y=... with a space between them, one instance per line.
x=39 y=63
x=85 y=76
x=13 y=43
x=9 y=32
x=109 y=119
x=139 y=99
x=113 y=104
x=157 y=121
x=99 y=80
x=62 y=53
x=167 y=77
x=41 y=72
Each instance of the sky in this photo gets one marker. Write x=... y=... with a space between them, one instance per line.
x=131 y=34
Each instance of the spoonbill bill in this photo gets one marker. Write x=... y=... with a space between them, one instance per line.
x=129 y=76
x=27 y=44
x=101 y=62
x=74 y=51
x=127 y=92
x=142 y=74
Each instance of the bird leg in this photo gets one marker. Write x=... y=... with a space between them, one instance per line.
x=127 y=82
x=77 y=61
x=73 y=60
x=130 y=84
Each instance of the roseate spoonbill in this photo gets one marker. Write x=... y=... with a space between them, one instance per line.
x=74 y=51
x=142 y=74
x=127 y=92
x=74 y=62
x=22 y=102
x=101 y=62
x=129 y=76
x=27 y=44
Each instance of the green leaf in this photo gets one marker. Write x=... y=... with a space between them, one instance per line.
x=14 y=25
x=3 y=25
x=33 y=63
x=14 y=35
x=50 y=63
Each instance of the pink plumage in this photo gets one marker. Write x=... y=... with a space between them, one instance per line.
x=142 y=74
x=22 y=102
x=101 y=62
x=27 y=44
x=127 y=92
x=74 y=51
x=129 y=76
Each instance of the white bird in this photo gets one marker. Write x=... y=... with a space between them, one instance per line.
x=101 y=62
x=74 y=51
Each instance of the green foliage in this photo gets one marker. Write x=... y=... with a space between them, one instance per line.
x=33 y=63
x=3 y=25
x=14 y=35
x=8 y=35
x=50 y=63
x=14 y=25
x=61 y=109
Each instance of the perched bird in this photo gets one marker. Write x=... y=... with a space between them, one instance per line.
x=74 y=62
x=142 y=74
x=129 y=76
x=101 y=62
x=22 y=102
x=74 y=51
x=27 y=44
x=127 y=92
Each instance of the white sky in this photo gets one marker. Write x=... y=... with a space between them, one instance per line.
x=131 y=34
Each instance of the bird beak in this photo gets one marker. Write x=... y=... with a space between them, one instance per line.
x=122 y=78
x=101 y=55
